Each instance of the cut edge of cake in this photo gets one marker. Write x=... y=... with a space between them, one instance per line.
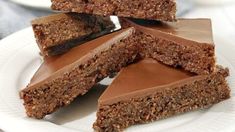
x=56 y=34
x=164 y=10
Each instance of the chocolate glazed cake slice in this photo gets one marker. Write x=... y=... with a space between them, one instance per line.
x=187 y=43
x=163 y=10
x=56 y=34
x=148 y=91
x=62 y=78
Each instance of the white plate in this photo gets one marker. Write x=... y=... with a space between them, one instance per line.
x=19 y=58
x=213 y=2
x=42 y=4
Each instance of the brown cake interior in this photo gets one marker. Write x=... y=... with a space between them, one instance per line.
x=56 y=34
x=164 y=10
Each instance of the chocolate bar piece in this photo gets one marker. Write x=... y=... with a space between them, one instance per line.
x=187 y=43
x=61 y=79
x=163 y=10
x=148 y=91
x=56 y=34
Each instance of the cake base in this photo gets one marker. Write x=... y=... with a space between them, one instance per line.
x=187 y=43
x=56 y=34
x=163 y=10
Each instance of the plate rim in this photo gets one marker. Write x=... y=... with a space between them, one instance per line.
x=24 y=3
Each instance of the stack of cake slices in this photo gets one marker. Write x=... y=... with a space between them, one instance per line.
x=165 y=66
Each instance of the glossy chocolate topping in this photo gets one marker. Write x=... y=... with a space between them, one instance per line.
x=54 y=66
x=195 y=30
x=145 y=76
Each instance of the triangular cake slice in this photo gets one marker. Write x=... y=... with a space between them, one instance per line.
x=149 y=91
x=56 y=34
x=164 y=10
x=187 y=43
x=62 y=78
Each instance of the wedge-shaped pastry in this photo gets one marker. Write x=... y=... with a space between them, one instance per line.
x=187 y=43
x=62 y=78
x=56 y=34
x=149 y=91
x=164 y=10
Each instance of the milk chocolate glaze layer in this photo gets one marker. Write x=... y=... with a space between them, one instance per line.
x=143 y=76
x=184 y=31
